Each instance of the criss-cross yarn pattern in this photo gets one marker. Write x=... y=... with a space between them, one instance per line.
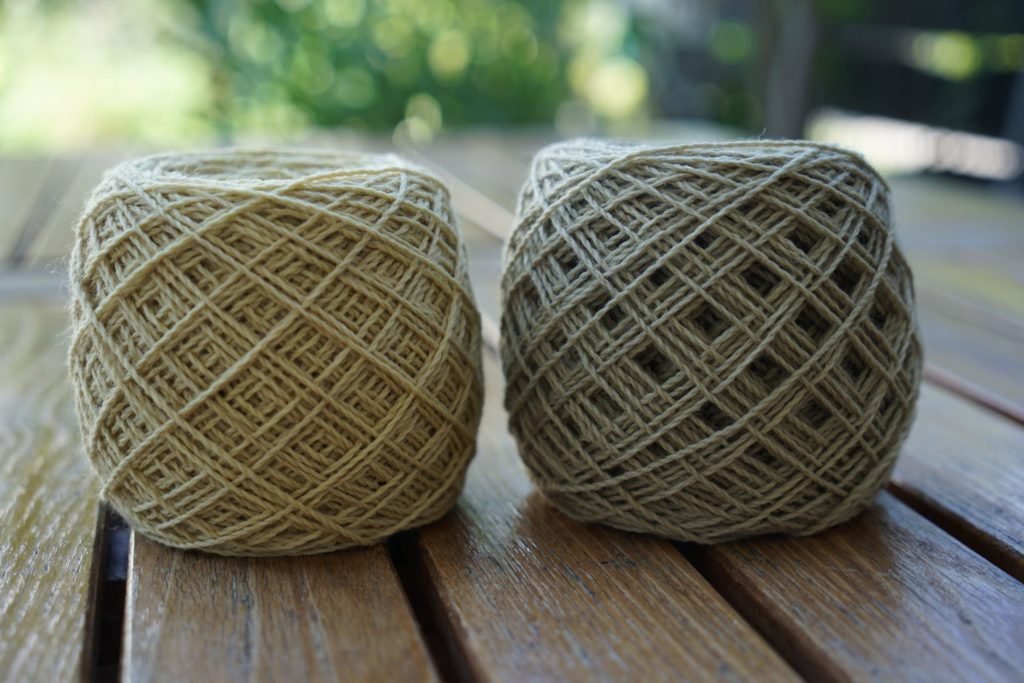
x=707 y=342
x=274 y=352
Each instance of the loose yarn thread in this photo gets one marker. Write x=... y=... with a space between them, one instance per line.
x=274 y=352
x=709 y=341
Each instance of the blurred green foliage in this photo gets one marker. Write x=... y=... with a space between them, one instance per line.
x=76 y=73
x=163 y=71
x=363 y=64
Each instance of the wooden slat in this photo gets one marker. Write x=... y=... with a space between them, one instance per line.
x=989 y=279
x=485 y=162
x=52 y=241
x=48 y=507
x=887 y=597
x=335 y=617
x=966 y=248
x=21 y=181
x=947 y=303
x=981 y=357
x=528 y=594
x=945 y=215
x=965 y=467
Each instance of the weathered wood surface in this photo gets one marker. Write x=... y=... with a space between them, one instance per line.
x=887 y=596
x=964 y=466
x=529 y=595
x=21 y=189
x=48 y=507
x=336 y=617
x=989 y=355
x=51 y=240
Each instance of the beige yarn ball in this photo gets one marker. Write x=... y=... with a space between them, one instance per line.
x=274 y=352
x=707 y=342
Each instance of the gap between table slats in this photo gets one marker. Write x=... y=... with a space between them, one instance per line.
x=335 y=617
x=524 y=593
x=888 y=596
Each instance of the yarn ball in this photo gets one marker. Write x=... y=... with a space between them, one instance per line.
x=274 y=352
x=707 y=342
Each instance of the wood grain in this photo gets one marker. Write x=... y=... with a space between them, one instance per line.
x=48 y=506
x=52 y=241
x=964 y=467
x=530 y=595
x=975 y=353
x=335 y=617
x=936 y=215
x=990 y=279
x=21 y=181
x=887 y=597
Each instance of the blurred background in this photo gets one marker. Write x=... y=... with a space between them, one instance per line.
x=917 y=85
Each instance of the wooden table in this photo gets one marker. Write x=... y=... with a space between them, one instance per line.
x=924 y=586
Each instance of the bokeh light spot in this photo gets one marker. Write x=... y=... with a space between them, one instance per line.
x=596 y=25
x=355 y=87
x=311 y=70
x=344 y=13
x=616 y=87
x=253 y=40
x=426 y=108
x=949 y=54
x=393 y=35
x=731 y=42
x=449 y=54
x=293 y=5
